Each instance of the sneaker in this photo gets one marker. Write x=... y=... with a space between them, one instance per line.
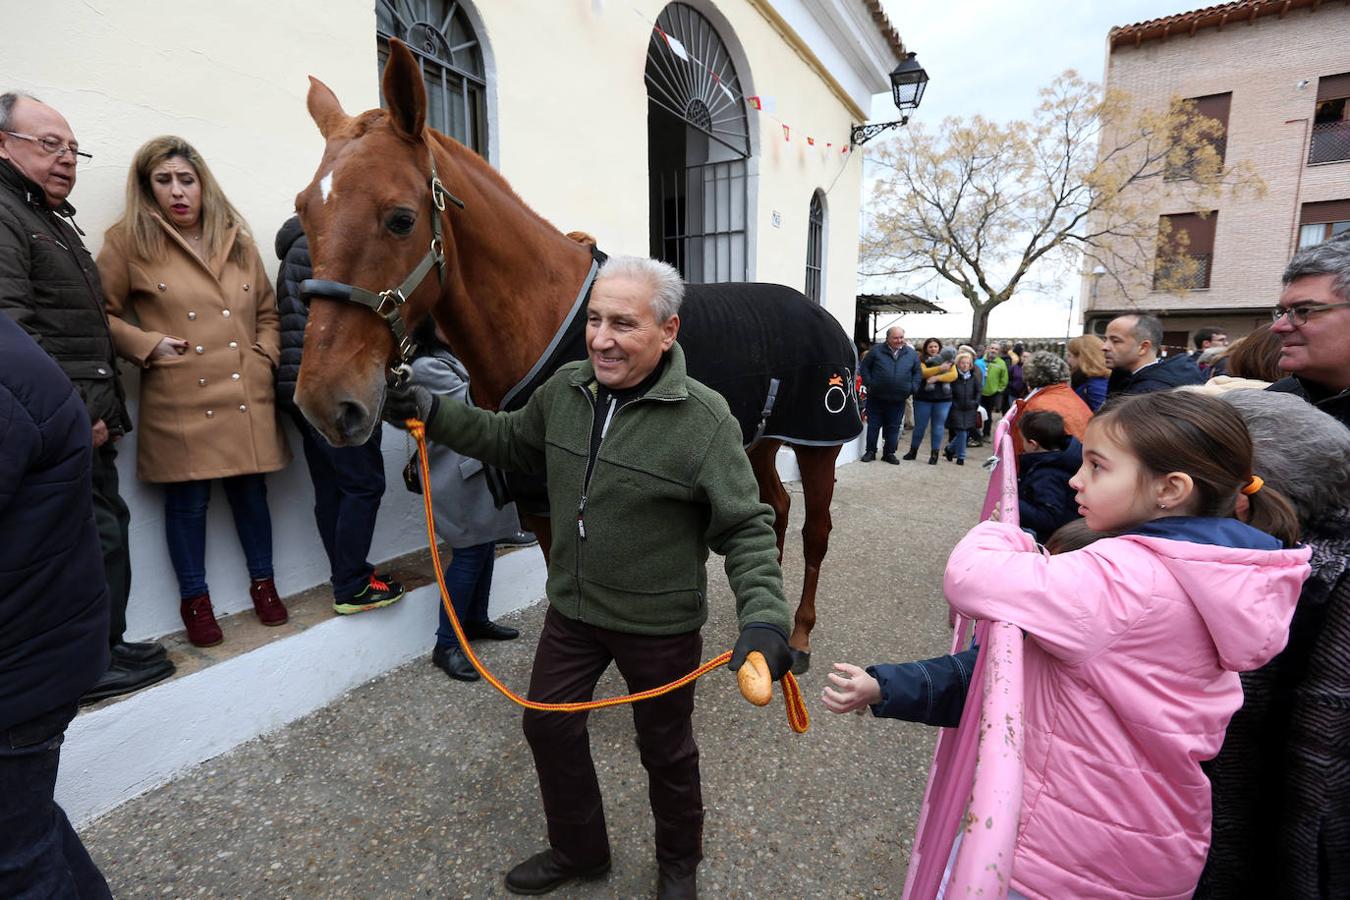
x=869 y=456
x=271 y=611
x=200 y=620
x=520 y=539
x=375 y=594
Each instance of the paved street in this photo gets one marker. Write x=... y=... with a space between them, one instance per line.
x=416 y=786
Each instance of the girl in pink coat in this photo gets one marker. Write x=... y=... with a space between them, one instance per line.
x=1134 y=643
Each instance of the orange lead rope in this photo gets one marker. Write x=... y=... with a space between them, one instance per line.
x=798 y=720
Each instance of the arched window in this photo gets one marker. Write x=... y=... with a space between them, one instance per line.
x=815 y=248
x=439 y=34
x=698 y=140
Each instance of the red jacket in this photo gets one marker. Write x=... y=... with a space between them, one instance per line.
x=1057 y=398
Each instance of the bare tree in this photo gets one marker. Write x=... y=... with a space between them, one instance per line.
x=986 y=207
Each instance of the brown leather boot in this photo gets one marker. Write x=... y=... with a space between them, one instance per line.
x=266 y=603
x=202 y=628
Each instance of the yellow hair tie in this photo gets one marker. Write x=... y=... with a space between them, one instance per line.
x=1254 y=485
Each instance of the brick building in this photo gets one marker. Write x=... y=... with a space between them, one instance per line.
x=1276 y=73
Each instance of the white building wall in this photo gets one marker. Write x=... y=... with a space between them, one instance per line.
x=568 y=112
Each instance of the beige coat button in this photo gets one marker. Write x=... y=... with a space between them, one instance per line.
x=234 y=345
x=234 y=376
x=201 y=381
x=243 y=407
x=162 y=286
x=199 y=348
x=225 y=313
x=210 y=413
x=245 y=287
x=192 y=316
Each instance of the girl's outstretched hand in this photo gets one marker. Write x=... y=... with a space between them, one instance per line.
x=853 y=690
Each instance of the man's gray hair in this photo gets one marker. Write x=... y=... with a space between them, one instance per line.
x=1327 y=258
x=7 y=101
x=1297 y=449
x=1148 y=328
x=666 y=283
x=1043 y=369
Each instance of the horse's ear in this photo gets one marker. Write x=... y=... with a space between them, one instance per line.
x=324 y=108
x=404 y=96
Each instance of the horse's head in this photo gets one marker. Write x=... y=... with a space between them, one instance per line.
x=368 y=215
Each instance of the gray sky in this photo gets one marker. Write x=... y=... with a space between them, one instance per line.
x=990 y=58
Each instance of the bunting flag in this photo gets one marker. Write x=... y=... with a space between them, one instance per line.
x=675 y=46
x=761 y=103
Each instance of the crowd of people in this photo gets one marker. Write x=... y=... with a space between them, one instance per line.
x=1179 y=568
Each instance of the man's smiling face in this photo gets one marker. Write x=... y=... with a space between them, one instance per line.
x=623 y=338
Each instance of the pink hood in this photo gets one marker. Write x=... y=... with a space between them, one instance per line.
x=1134 y=644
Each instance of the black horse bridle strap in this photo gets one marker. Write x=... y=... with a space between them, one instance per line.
x=386 y=304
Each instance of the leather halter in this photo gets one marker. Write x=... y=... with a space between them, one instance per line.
x=386 y=303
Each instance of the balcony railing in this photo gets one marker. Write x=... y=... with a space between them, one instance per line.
x=1330 y=143
x=1183 y=272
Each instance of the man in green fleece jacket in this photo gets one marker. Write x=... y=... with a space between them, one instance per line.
x=646 y=474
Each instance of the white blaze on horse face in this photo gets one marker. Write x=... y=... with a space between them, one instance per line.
x=326 y=186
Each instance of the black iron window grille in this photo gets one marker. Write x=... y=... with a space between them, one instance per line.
x=451 y=58
x=815 y=246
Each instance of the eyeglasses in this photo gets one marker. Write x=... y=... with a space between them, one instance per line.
x=1298 y=315
x=53 y=146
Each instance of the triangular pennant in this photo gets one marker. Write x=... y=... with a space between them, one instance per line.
x=676 y=47
x=755 y=102
x=725 y=90
x=810 y=142
x=787 y=133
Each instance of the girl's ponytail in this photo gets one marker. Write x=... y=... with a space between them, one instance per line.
x=1271 y=511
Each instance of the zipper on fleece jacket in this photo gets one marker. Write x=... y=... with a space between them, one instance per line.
x=591 y=460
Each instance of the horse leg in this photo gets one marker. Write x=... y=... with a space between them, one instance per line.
x=542 y=528
x=763 y=460
x=817 y=468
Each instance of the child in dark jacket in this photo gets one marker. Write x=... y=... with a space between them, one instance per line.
x=1050 y=458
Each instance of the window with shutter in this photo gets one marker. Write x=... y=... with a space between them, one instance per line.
x=1185 y=255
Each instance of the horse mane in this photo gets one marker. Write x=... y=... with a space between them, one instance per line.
x=480 y=168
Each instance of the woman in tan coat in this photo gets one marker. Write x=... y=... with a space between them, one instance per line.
x=192 y=305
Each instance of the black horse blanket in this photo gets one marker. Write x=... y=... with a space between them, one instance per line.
x=784 y=365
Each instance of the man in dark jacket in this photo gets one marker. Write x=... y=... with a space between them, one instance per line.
x=890 y=373
x=50 y=286
x=53 y=615
x=1131 y=348
x=348 y=481
x=1313 y=323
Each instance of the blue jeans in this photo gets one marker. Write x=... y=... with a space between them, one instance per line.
x=40 y=854
x=185 y=528
x=469 y=578
x=884 y=416
x=958 y=443
x=348 y=484
x=932 y=416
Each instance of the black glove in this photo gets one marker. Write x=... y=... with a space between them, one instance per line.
x=768 y=640
x=408 y=401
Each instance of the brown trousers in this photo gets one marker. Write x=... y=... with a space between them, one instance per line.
x=568 y=662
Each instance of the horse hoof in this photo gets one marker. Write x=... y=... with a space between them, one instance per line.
x=801 y=662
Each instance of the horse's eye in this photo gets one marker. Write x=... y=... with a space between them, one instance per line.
x=400 y=221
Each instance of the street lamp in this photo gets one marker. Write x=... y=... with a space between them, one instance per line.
x=908 y=82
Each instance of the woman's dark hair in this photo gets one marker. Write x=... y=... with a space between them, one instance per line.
x=1045 y=428
x=1019 y=348
x=1256 y=356
x=923 y=348
x=1205 y=438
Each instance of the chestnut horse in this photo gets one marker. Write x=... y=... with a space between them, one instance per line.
x=502 y=285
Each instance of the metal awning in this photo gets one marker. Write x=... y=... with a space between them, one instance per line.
x=896 y=303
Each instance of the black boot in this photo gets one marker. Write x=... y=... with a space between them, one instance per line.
x=949 y=453
x=932 y=458
x=124 y=678
x=913 y=453
x=453 y=662
x=542 y=873
x=869 y=456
